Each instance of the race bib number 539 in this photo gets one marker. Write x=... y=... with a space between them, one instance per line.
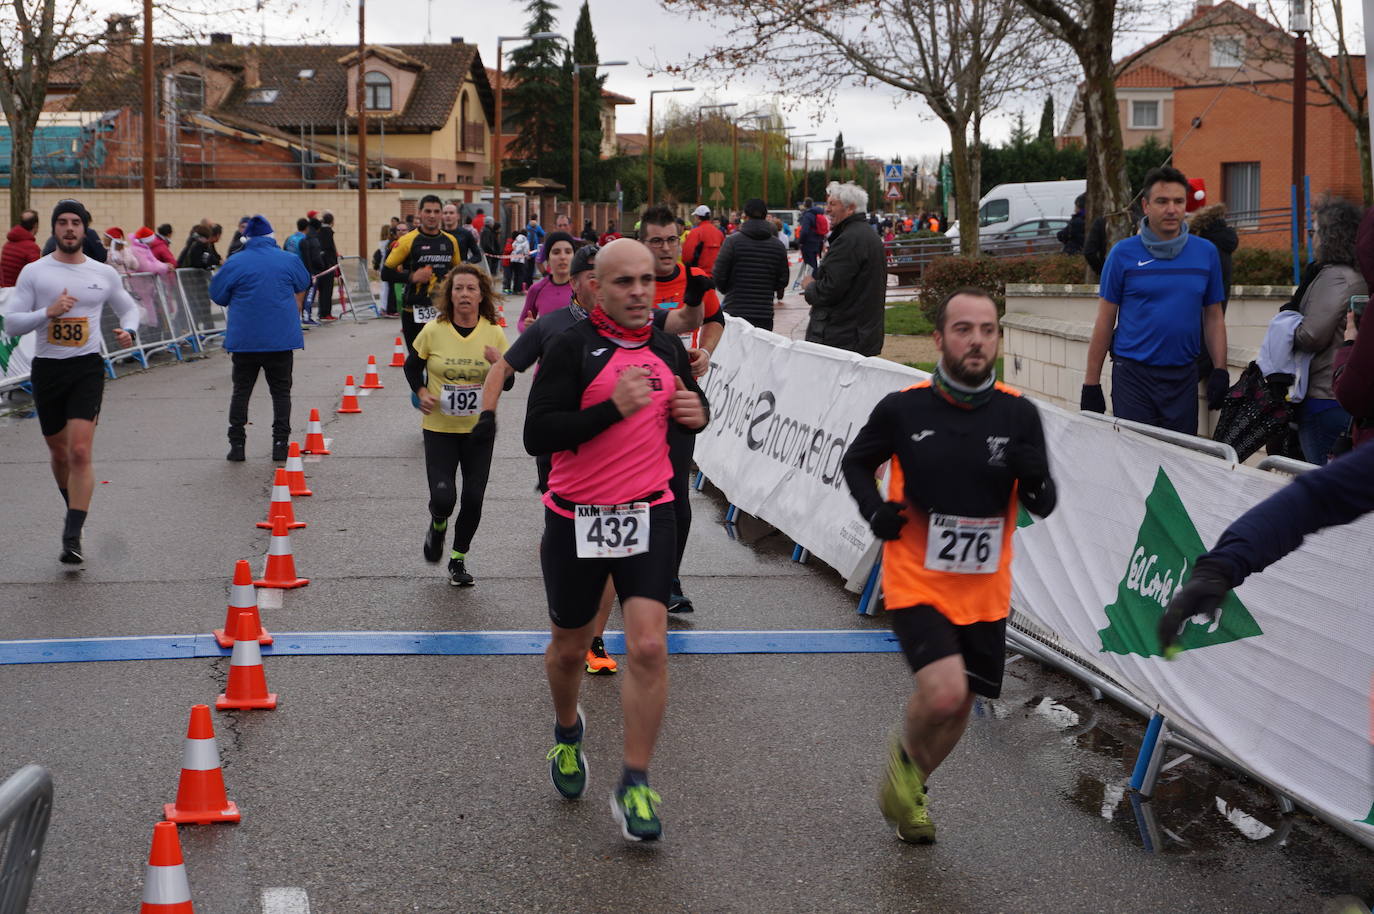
x=964 y=545
x=611 y=531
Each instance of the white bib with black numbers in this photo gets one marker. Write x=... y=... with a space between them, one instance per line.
x=425 y=314
x=461 y=400
x=964 y=545
x=611 y=531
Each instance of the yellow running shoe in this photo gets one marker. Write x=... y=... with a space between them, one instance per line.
x=902 y=798
x=599 y=663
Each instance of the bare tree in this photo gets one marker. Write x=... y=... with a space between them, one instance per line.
x=962 y=57
x=34 y=37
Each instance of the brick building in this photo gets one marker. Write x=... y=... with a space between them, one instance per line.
x=1218 y=90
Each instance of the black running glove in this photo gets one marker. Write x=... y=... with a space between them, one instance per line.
x=1201 y=595
x=485 y=429
x=1092 y=400
x=887 y=521
x=698 y=284
x=1218 y=383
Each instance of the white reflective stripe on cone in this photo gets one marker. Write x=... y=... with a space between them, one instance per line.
x=280 y=545
x=200 y=754
x=315 y=428
x=243 y=596
x=281 y=493
x=246 y=653
x=166 y=885
x=349 y=391
x=294 y=465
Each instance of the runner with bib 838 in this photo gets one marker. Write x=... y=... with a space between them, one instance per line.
x=964 y=449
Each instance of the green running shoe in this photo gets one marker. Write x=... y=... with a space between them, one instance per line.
x=568 y=766
x=636 y=812
x=902 y=798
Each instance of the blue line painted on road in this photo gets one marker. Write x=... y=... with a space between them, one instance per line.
x=189 y=647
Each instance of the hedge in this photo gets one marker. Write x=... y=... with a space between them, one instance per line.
x=945 y=274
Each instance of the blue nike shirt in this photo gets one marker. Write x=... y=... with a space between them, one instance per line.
x=1159 y=302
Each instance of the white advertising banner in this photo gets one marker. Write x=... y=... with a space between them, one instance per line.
x=16 y=354
x=1280 y=683
x=782 y=414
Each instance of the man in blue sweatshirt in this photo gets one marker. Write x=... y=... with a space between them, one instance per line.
x=261 y=289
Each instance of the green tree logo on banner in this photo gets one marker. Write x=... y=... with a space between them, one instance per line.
x=1165 y=548
x=7 y=345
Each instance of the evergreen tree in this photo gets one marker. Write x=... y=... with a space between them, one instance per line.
x=837 y=157
x=539 y=98
x=1046 y=132
x=590 y=84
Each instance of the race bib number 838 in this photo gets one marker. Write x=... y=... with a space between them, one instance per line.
x=611 y=531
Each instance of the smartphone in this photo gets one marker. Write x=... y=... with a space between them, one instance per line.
x=1357 y=303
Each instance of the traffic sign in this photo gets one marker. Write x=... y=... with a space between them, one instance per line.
x=717 y=180
x=894 y=192
x=892 y=173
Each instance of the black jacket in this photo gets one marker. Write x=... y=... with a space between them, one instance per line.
x=329 y=254
x=200 y=254
x=850 y=290
x=751 y=271
x=1210 y=223
x=1071 y=235
x=312 y=254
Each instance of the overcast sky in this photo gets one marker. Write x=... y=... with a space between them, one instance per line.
x=876 y=120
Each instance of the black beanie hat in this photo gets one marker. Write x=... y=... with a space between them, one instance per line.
x=71 y=206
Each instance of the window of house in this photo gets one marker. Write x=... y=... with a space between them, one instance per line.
x=994 y=211
x=263 y=96
x=1241 y=184
x=378 y=89
x=187 y=92
x=1227 y=53
x=1144 y=115
x=463 y=123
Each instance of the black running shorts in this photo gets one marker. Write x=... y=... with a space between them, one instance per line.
x=926 y=635
x=574 y=585
x=67 y=389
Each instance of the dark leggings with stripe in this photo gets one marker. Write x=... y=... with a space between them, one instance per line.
x=445 y=454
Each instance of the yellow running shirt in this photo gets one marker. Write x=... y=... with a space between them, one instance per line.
x=457 y=368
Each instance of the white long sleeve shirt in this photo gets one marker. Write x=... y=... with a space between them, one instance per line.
x=93 y=284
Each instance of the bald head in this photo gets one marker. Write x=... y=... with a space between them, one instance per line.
x=624 y=282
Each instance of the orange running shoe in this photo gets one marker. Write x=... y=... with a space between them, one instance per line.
x=599 y=663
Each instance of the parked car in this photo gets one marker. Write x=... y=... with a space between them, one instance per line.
x=1011 y=205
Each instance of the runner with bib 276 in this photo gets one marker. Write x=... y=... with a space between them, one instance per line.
x=608 y=391
x=964 y=449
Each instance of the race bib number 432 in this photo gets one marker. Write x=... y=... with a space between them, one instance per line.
x=67 y=331
x=611 y=531
x=964 y=545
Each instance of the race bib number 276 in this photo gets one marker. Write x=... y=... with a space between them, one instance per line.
x=964 y=545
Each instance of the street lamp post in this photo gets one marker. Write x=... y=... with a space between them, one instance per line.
x=806 y=167
x=734 y=143
x=577 y=137
x=496 y=137
x=790 y=138
x=652 y=93
x=763 y=147
x=701 y=191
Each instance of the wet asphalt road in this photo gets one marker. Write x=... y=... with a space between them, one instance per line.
x=389 y=784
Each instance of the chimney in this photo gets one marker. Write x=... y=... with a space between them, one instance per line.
x=457 y=39
x=1251 y=8
x=252 y=70
x=119 y=39
x=1202 y=7
x=221 y=38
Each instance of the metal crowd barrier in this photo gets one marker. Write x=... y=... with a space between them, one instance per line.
x=356 y=286
x=25 y=807
x=208 y=318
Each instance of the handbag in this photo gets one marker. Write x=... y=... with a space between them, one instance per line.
x=1253 y=412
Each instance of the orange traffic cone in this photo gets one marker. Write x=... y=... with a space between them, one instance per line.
x=280 y=506
x=295 y=472
x=370 y=379
x=500 y=313
x=398 y=355
x=314 y=435
x=280 y=570
x=247 y=689
x=350 y=398
x=243 y=598
x=165 y=889
x=201 y=799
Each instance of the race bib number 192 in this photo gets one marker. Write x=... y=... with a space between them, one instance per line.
x=964 y=545
x=611 y=531
x=461 y=400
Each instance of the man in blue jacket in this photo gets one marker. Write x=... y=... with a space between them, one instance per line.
x=261 y=288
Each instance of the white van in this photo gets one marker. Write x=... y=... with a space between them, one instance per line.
x=1008 y=205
